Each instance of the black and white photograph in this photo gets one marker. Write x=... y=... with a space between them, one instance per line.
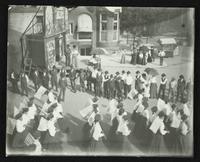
x=100 y=80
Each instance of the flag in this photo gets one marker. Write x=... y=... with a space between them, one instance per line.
x=29 y=140
x=16 y=111
x=40 y=92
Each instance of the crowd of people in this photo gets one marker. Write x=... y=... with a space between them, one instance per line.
x=142 y=55
x=167 y=121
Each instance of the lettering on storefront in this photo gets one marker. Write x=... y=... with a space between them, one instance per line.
x=51 y=53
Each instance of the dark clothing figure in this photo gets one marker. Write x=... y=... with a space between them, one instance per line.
x=188 y=89
x=36 y=80
x=68 y=57
x=72 y=76
x=137 y=82
x=180 y=89
x=161 y=93
x=89 y=80
x=24 y=84
x=54 y=80
x=99 y=85
x=112 y=136
x=112 y=87
x=14 y=81
x=82 y=80
x=106 y=86
x=62 y=85
x=119 y=87
x=45 y=80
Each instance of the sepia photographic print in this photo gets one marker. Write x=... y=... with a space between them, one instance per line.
x=99 y=80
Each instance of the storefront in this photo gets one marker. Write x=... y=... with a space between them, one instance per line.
x=46 y=48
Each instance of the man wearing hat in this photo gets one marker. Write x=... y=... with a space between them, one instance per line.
x=67 y=55
x=180 y=88
x=36 y=79
x=123 y=78
x=163 y=83
x=137 y=80
x=172 y=85
x=128 y=83
x=24 y=83
x=45 y=79
x=54 y=79
x=106 y=84
x=72 y=76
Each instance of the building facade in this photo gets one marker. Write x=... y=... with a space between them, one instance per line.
x=92 y=27
x=42 y=33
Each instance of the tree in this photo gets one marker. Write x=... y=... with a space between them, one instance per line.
x=136 y=20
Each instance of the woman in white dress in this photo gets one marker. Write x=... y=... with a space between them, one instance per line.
x=157 y=128
x=75 y=55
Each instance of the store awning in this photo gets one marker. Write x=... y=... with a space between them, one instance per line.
x=167 y=41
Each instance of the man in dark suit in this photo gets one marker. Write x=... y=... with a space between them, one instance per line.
x=54 y=80
x=24 y=83
x=45 y=79
x=67 y=55
x=62 y=85
x=14 y=81
x=36 y=79
x=180 y=88
x=72 y=76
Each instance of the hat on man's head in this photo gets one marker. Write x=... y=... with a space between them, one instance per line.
x=128 y=72
x=117 y=73
x=97 y=117
x=106 y=72
x=95 y=105
x=120 y=105
x=137 y=72
x=95 y=99
x=163 y=74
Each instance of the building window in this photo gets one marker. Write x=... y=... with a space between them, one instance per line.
x=116 y=17
x=115 y=26
x=104 y=26
x=85 y=35
x=103 y=17
x=103 y=32
x=71 y=28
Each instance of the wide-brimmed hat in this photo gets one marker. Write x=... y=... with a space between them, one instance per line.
x=120 y=105
x=163 y=74
x=97 y=117
x=95 y=99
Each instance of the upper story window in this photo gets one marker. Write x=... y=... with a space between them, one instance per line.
x=71 y=28
x=116 y=17
x=103 y=17
x=84 y=23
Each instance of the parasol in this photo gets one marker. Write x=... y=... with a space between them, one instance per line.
x=144 y=48
x=151 y=71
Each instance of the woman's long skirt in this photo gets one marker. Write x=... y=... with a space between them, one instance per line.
x=153 y=90
x=157 y=146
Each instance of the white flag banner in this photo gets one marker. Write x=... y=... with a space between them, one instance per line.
x=160 y=104
x=40 y=92
x=11 y=123
x=16 y=111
